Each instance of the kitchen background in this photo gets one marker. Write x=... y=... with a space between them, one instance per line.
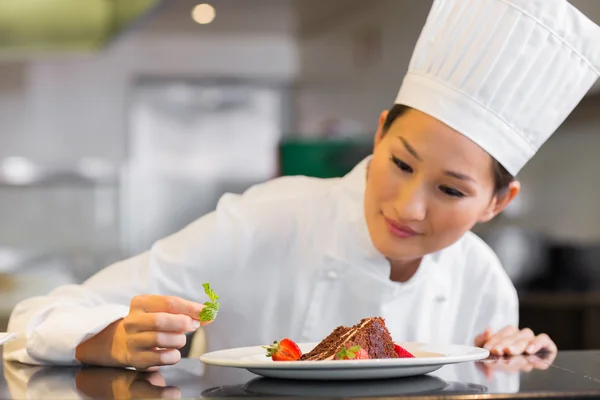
x=123 y=120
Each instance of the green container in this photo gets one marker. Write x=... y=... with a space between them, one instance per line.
x=321 y=158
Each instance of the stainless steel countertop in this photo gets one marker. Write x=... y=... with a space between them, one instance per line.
x=569 y=375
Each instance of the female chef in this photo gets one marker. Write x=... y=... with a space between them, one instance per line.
x=488 y=83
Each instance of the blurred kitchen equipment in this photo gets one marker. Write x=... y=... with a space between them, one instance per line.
x=190 y=142
x=523 y=253
x=32 y=27
x=29 y=273
x=59 y=224
x=322 y=158
x=574 y=267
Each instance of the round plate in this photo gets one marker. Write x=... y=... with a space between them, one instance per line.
x=428 y=358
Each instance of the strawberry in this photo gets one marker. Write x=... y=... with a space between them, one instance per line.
x=286 y=350
x=353 y=353
x=402 y=352
x=362 y=355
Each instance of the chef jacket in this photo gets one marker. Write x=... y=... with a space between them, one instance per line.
x=291 y=257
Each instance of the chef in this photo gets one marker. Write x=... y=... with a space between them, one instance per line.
x=488 y=83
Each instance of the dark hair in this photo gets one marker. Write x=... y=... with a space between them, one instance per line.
x=502 y=178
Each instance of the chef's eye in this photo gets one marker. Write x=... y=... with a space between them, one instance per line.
x=451 y=192
x=402 y=165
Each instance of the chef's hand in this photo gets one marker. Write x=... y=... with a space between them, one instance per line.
x=511 y=341
x=155 y=329
x=150 y=336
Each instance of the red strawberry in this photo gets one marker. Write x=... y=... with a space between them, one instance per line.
x=353 y=353
x=362 y=355
x=402 y=352
x=286 y=350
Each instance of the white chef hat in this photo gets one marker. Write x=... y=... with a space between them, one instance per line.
x=504 y=73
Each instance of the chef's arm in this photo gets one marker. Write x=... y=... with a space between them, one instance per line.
x=51 y=327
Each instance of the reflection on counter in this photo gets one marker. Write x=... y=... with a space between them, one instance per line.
x=191 y=379
x=420 y=385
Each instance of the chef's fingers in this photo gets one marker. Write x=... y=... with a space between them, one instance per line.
x=144 y=360
x=517 y=347
x=166 y=304
x=481 y=339
x=499 y=337
x=161 y=322
x=541 y=342
x=151 y=340
x=502 y=345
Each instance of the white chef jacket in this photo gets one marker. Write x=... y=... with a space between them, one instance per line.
x=289 y=258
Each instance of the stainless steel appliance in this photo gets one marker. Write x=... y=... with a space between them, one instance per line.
x=190 y=142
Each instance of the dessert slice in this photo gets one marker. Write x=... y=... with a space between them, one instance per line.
x=370 y=335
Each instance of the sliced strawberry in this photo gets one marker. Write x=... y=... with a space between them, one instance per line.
x=286 y=350
x=362 y=355
x=353 y=353
x=402 y=352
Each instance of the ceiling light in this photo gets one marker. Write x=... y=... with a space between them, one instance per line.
x=203 y=13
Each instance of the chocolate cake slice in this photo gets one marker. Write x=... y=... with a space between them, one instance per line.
x=369 y=334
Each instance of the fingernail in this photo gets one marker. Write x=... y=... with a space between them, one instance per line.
x=196 y=324
x=498 y=350
x=531 y=349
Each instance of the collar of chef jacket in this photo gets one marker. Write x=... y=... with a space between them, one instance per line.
x=352 y=244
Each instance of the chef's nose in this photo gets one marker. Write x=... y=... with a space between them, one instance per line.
x=410 y=203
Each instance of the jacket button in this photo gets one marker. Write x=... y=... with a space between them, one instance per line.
x=332 y=274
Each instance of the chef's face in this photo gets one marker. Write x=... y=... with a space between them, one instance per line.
x=426 y=186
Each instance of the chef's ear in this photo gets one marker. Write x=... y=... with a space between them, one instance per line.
x=501 y=200
x=380 y=131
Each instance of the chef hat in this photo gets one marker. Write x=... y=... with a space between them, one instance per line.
x=504 y=73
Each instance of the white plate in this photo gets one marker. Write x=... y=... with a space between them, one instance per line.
x=428 y=358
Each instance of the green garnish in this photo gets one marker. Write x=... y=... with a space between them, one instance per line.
x=209 y=312
x=348 y=353
x=272 y=349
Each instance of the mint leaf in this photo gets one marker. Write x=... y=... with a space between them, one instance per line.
x=209 y=312
x=209 y=292
x=349 y=353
